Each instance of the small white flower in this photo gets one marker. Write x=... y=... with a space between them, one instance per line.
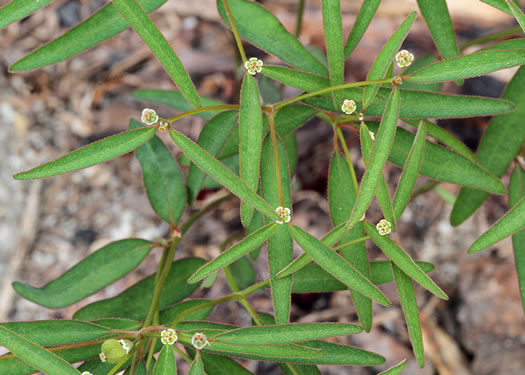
x=126 y=345
x=361 y=116
x=253 y=65
x=168 y=337
x=86 y=373
x=102 y=357
x=372 y=135
x=284 y=214
x=164 y=125
x=149 y=116
x=348 y=106
x=199 y=340
x=384 y=227
x=404 y=58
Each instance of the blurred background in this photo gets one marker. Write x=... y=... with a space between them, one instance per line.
x=48 y=226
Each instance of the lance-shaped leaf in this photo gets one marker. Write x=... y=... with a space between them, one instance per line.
x=292 y=117
x=341 y=198
x=507 y=44
x=501 y=4
x=229 y=256
x=18 y=9
x=175 y=100
x=285 y=333
x=437 y=17
x=270 y=93
x=94 y=153
x=165 y=364
x=333 y=35
x=395 y=370
x=95 y=366
x=444 y=137
x=313 y=279
x=57 y=332
x=280 y=244
x=407 y=296
x=250 y=140
x=139 y=20
x=382 y=192
x=221 y=174
x=98 y=270
x=510 y=223
x=260 y=27
x=408 y=178
x=516 y=192
x=499 y=145
x=134 y=302
x=385 y=58
x=197 y=367
x=378 y=156
x=211 y=138
x=403 y=260
x=219 y=365
x=336 y=265
x=296 y=78
x=35 y=355
x=423 y=104
x=168 y=315
x=442 y=164
x=368 y=9
x=102 y=25
x=163 y=178
x=467 y=66
x=140 y=369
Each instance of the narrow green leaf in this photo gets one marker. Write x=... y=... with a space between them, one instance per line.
x=139 y=20
x=95 y=366
x=98 y=270
x=403 y=260
x=378 y=156
x=211 y=138
x=94 y=153
x=501 y=4
x=290 y=144
x=395 y=370
x=336 y=265
x=256 y=223
x=18 y=9
x=368 y=9
x=219 y=365
x=296 y=78
x=507 y=44
x=314 y=279
x=221 y=174
x=407 y=296
x=134 y=302
x=280 y=244
x=286 y=333
x=35 y=355
x=250 y=140
x=175 y=100
x=102 y=25
x=333 y=34
x=243 y=272
x=341 y=198
x=57 y=332
x=408 y=178
x=270 y=93
x=382 y=191
x=467 y=66
x=385 y=58
x=437 y=17
x=168 y=315
x=229 y=256
x=499 y=145
x=516 y=192
x=443 y=136
x=418 y=63
x=261 y=28
x=510 y=223
x=197 y=367
x=165 y=364
x=442 y=164
x=163 y=178
x=140 y=369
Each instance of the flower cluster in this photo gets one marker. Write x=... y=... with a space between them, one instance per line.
x=149 y=116
x=284 y=214
x=348 y=106
x=199 y=340
x=168 y=337
x=253 y=66
x=384 y=227
x=404 y=58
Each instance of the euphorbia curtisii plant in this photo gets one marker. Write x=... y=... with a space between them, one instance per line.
x=250 y=149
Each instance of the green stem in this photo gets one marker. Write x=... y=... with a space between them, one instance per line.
x=299 y=18
x=254 y=287
x=182 y=354
x=234 y=31
x=271 y=125
x=197 y=215
x=348 y=158
x=329 y=89
x=491 y=37
x=202 y=109
x=351 y=243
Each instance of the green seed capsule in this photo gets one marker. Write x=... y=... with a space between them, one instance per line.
x=115 y=350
